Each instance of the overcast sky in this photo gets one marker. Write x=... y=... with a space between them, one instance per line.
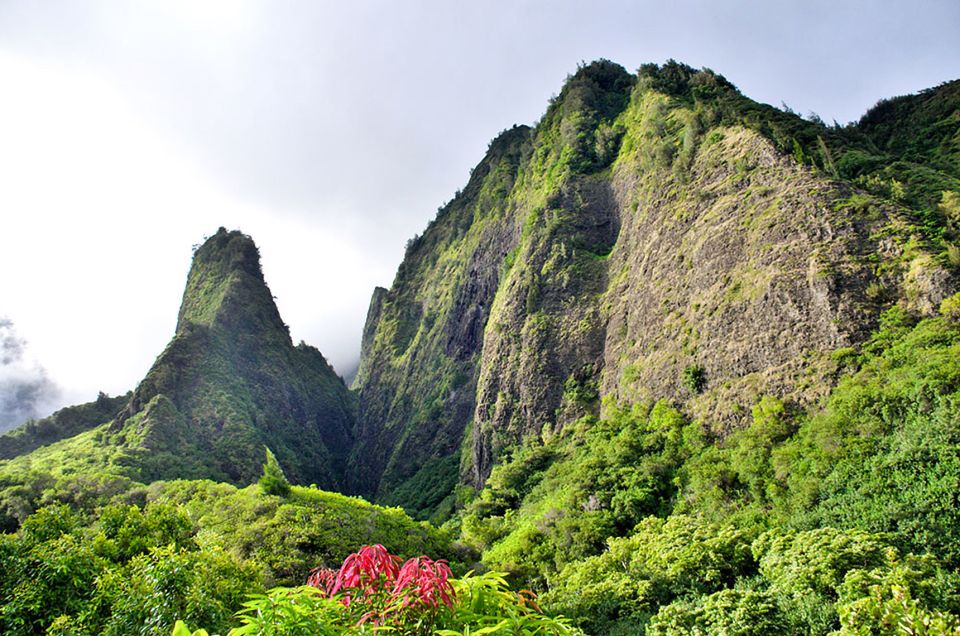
x=331 y=132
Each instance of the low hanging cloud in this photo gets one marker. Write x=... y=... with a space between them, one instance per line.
x=26 y=391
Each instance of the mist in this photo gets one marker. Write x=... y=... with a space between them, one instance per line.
x=26 y=391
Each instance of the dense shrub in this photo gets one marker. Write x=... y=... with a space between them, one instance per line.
x=662 y=560
x=190 y=550
x=730 y=612
x=273 y=481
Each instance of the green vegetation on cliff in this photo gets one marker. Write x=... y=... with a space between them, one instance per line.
x=417 y=378
x=655 y=236
x=876 y=464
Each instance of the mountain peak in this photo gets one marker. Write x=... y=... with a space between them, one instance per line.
x=680 y=80
x=229 y=250
x=231 y=381
x=600 y=89
x=226 y=289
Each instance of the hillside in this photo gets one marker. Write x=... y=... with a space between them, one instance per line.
x=65 y=423
x=655 y=236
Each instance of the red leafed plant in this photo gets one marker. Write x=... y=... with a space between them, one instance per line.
x=367 y=571
x=373 y=586
x=425 y=581
x=323 y=579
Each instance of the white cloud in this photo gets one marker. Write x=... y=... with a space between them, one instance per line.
x=25 y=390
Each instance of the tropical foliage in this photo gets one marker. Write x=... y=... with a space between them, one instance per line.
x=373 y=592
x=190 y=550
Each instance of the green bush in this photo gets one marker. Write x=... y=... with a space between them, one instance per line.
x=661 y=561
x=301 y=611
x=154 y=589
x=950 y=309
x=694 y=378
x=597 y=479
x=273 y=481
x=817 y=560
x=52 y=578
x=728 y=612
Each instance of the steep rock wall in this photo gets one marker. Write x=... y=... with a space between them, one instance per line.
x=418 y=374
x=660 y=237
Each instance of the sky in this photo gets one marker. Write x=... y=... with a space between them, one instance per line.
x=330 y=132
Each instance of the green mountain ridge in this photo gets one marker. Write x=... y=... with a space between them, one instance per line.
x=65 y=423
x=656 y=235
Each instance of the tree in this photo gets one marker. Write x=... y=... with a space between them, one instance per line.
x=273 y=481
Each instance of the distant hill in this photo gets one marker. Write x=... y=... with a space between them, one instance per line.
x=65 y=423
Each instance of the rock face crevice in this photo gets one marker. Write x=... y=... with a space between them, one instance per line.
x=543 y=348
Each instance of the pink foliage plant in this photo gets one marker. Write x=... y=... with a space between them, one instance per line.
x=373 y=585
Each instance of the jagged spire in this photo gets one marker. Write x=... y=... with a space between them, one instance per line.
x=231 y=381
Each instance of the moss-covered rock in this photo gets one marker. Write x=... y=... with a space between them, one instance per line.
x=649 y=224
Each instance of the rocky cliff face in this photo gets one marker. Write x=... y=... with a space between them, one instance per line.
x=422 y=342
x=655 y=236
x=231 y=381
